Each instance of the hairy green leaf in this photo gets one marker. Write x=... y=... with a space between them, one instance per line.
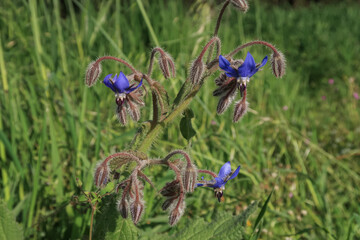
x=9 y=228
x=187 y=131
x=224 y=226
x=110 y=225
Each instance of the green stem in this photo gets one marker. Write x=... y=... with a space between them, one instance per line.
x=154 y=132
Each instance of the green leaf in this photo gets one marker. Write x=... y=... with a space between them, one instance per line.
x=9 y=228
x=109 y=225
x=261 y=214
x=187 y=131
x=223 y=226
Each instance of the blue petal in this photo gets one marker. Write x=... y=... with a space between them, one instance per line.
x=225 y=170
x=248 y=68
x=108 y=83
x=263 y=62
x=134 y=88
x=199 y=185
x=224 y=64
x=121 y=83
x=219 y=183
x=235 y=173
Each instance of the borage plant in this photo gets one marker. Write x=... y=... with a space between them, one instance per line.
x=129 y=91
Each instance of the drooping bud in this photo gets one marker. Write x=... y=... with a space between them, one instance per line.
x=123 y=207
x=278 y=64
x=242 y=5
x=168 y=202
x=167 y=65
x=136 y=208
x=221 y=79
x=190 y=178
x=133 y=109
x=121 y=186
x=101 y=175
x=176 y=213
x=171 y=189
x=121 y=114
x=93 y=72
x=240 y=109
x=196 y=71
x=226 y=100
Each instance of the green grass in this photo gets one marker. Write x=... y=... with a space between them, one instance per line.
x=53 y=129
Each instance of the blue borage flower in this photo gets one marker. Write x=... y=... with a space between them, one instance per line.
x=120 y=84
x=128 y=98
x=218 y=183
x=245 y=71
x=237 y=75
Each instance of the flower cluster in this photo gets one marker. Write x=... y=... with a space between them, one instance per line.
x=235 y=75
x=131 y=190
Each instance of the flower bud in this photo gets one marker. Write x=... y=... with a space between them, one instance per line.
x=221 y=79
x=121 y=114
x=278 y=64
x=240 y=109
x=225 y=101
x=242 y=5
x=171 y=189
x=168 y=202
x=121 y=186
x=123 y=206
x=136 y=208
x=166 y=64
x=196 y=72
x=93 y=72
x=101 y=175
x=190 y=178
x=176 y=213
x=133 y=109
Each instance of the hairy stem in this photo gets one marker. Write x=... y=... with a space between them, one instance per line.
x=187 y=158
x=220 y=17
x=155 y=110
x=116 y=59
x=207 y=172
x=153 y=52
x=250 y=44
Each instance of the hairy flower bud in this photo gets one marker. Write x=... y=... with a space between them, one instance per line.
x=221 y=79
x=278 y=64
x=176 y=213
x=190 y=178
x=136 y=208
x=101 y=175
x=196 y=71
x=242 y=5
x=93 y=72
x=240 y=109
x=123 y=206
x=171 y=189
x=166 y=64
x=225 y=101
x=168 y=202
x=121 y=114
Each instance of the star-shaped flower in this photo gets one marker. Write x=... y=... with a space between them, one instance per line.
x=237 y=75
x=245 y=71
x=218 y=183
x=128 y=97
x=120 y=84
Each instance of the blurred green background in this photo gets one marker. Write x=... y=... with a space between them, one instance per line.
x=301 y=136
